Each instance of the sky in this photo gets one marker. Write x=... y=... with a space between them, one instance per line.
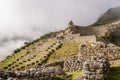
x=25 y=20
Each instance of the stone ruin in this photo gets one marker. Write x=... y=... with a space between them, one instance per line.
x=93 y=59
x=88 y=50
x=39 y=73
x=95 y=69
x=72 y=64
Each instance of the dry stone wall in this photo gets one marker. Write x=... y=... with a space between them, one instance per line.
x=95 y=69
x=88 y=50
x=40 y=73
x=72 y=64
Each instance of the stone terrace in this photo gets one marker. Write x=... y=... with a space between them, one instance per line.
x=92 y=49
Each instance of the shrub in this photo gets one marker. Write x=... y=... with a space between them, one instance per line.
x=39 y=64
x=33 y=63
x=9 y=65
x=13 y=62
x=46 y=36
x=16 y=65
x=17 y=60
x=26 y=43
x=18 y=69
x=22 y=67
x=34 y=56
x=108 y=37
x=28 y=64
x=5 y=68
x=29 y=59
x=13 y=67
x=24 y=61
x=9 y=69
x=37 y=61
x=23 y=47
x=8 y=57
x=17 y=50
x=20 y=63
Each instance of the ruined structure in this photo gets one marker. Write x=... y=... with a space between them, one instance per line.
x=91 y=43
x=95 y=68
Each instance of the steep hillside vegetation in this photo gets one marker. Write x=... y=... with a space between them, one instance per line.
x=38 y=53
x=30 y=55
x=110 y=16
x=66 y=50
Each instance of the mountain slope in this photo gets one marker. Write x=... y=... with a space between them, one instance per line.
x=110 y=16
x=57 y=46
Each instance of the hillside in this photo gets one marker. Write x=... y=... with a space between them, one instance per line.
x=110 y=16
x=70 y=49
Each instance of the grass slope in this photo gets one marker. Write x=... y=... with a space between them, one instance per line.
x=33 y=49
x=72 y=74
x=66 y=50
x=75 y=74
x=12 y=58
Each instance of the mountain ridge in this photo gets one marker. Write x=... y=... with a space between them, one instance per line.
x=109 y=16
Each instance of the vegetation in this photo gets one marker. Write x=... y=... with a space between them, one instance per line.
x=103 y=22
x=109 y=38
x=114 y=73
x=19 y=60
x=11 y=59
x=60 y=77
x=66 y=50
x=17 y=50
x=106 y=19
x=27 y=55
x=21 y=51
x=75 y=74
x=46 y=36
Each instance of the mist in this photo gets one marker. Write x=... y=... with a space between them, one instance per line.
x=25 y=20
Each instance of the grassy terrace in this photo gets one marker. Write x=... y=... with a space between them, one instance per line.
x=66 y=50
x=75 y=74
x=19 y=57
x=72 y=74
x=12 y=58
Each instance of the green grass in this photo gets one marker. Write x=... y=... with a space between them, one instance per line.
x=72 y=74
x=60 y=77
x=66 y=50
x=30 y=48
x=12 y=59
x=114 y=73
x=75 y=74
